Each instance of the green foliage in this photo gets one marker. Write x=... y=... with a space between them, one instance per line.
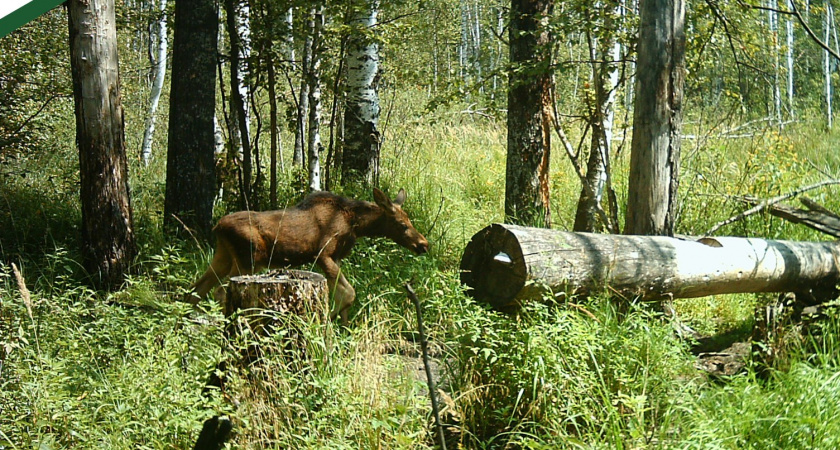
x=127 y=371
x=554 y=375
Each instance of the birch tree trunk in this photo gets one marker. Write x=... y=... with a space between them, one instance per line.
x=108 y=243
x=190 y=164
x=657 y=117
x=157 y=85
x=773 y=22
x=789 y=60
x=239 y=32
x=314 y=75
x=604 y=54
x=529 y=114
x=360 y=160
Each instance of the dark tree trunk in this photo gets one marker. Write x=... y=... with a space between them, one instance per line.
x=529 y=103
x=190 y=164
x=108 y=245
x=657 y=116
x=275 y=131
x=298 y=158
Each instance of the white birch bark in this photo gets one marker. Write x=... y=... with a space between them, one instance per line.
x=789 y=59
x=314 y=144
x=240 y=29
x=361 y=115
x=157 y=85
x=603 y=56
x=773 y=22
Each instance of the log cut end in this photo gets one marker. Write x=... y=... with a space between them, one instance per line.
x=493 y=267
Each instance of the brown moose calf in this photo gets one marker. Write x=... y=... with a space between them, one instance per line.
x=322 y=229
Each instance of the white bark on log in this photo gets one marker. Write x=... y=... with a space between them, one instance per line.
x=505 y=264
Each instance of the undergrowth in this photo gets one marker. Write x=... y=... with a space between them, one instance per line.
x=85 y=369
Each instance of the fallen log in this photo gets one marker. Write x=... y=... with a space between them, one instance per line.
x=505 y=264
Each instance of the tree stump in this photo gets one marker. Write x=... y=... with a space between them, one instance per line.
x=504 y=264
x=282 y=292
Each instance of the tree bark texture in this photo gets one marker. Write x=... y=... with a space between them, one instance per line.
x=506 y=264
x=275 y=129
x=238 y=22
x=529 y=113
x=313 y=75
x=108 y=244
x=190 y=164
x=604 y=54
x=657 y=116
x=280 y=291
x=360 y=163
x=301 y=139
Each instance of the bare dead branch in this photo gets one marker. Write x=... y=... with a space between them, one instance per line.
x=771 y=201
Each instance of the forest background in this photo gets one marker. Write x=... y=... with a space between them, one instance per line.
x=82 y=365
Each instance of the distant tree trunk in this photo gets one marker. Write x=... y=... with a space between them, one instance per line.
x=157 y=86
x=239 y=32
x=275 y=131
x=108 y=244
x=789 y=60
x=303 y=103
x=773 y=22
x=657 y=119
x=529 y=113
x=604 y=54
x=190 y=165
x=827 y=66
x=314 y=76
x=360 y=162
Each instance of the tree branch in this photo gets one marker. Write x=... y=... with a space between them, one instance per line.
x=795 y=12
x=770 y=201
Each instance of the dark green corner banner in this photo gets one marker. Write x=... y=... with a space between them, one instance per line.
x=17 y=13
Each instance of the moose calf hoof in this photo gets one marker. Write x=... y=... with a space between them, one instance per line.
x=192 y=298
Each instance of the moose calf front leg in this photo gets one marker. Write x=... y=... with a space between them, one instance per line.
x=341 y=292
x=343 y=297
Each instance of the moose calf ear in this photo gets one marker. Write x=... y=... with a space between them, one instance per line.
x=382 y=200
x=400 y=198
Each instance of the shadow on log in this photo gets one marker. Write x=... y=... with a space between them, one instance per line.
x=505 y=264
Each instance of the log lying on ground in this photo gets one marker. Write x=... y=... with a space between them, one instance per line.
x=505 y=264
